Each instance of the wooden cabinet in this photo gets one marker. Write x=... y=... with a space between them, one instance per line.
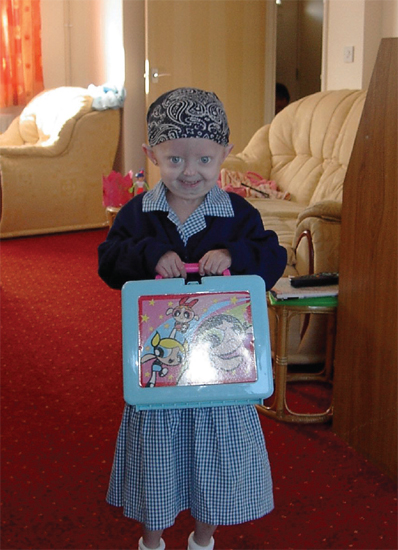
x=365 y=389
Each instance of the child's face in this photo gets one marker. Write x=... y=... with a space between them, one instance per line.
x=189 y=167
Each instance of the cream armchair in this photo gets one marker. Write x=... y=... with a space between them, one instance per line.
x=52 y=159
x=306 y=150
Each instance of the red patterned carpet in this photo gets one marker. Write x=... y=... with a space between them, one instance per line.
x=61 y=408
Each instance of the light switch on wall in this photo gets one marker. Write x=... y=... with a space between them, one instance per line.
x=348 y=54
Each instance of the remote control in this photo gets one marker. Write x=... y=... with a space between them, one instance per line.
x=317 y=279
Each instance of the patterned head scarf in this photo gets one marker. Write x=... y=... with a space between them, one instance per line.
x=187 y=113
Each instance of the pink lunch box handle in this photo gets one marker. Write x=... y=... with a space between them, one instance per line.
x=194 y=268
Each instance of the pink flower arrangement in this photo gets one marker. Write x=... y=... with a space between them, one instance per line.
x=117 y=189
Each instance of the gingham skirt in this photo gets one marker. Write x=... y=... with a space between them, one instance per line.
x=212 y=461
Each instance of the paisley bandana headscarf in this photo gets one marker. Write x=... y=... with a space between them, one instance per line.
x=187 y=113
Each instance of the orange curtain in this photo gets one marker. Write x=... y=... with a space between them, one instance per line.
x=21 y=63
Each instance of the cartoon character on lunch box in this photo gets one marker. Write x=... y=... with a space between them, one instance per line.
x=167 y=352
x=183 y=314
x=221 y=351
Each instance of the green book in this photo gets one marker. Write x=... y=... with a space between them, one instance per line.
x=320 y=301
x=284 y=293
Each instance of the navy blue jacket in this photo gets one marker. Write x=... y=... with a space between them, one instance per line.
x=137 y=240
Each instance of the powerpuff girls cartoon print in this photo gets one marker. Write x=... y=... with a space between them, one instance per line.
x=188 y=342
x=183 y=314
x=167 y=352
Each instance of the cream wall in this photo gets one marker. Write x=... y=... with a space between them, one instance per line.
x=361 y=24
x=53 y=32
x=97 y=41
x=83 y=44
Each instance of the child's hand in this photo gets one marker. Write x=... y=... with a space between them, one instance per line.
x=215 y=262
x=170 y=265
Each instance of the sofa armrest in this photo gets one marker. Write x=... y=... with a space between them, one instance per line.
x=59 y=144
x=53 y=146
x=255 y=157
x=31 y=151
x=317 y=244
x=326 y=210
x=235 y=163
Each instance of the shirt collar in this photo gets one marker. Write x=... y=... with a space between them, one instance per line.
x=217 y=202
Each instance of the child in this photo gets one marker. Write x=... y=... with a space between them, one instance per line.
x=211 y=460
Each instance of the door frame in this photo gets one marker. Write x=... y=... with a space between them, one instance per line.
x=270 y=61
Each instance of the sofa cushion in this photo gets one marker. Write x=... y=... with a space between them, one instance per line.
x=311 y=142
x=275 y=207
x=256 y=156
x=347 y=115
x=27 y=127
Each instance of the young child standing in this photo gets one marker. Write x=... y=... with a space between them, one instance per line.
x=211 y=460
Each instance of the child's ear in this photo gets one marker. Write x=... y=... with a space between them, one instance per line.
x=228 y=149
x=149 y=153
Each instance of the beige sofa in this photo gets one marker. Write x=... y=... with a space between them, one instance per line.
x=306 y=150
x=52 y=158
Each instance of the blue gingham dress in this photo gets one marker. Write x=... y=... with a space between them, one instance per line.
x=211 y=460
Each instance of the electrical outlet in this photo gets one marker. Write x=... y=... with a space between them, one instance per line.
x=348 y=54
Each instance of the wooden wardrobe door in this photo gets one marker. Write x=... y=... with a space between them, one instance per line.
x=365 y=389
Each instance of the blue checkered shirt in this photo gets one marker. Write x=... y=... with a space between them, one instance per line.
x=216 y=203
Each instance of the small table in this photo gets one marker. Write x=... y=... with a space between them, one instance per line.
x=284 y=310
x=111 y=212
